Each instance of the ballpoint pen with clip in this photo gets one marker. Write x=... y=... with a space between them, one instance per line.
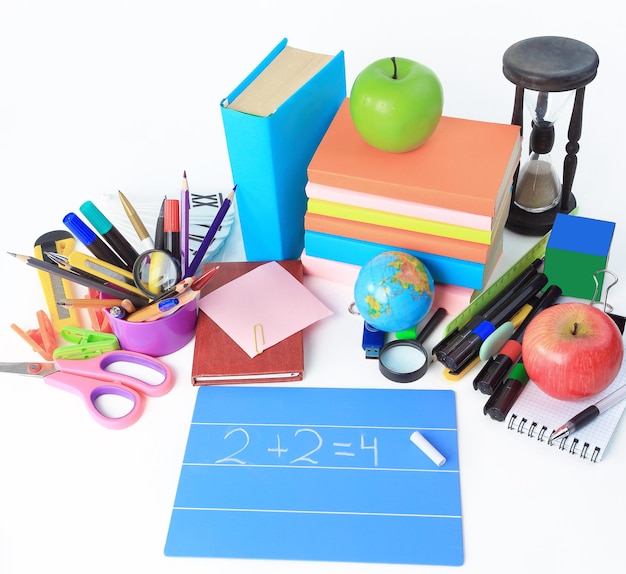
x=587 y=415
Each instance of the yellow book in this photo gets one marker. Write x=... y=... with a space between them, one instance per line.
x=387 y=219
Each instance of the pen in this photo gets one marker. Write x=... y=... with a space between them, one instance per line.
x=210 y=235
x=171 y=227
x=90 y=240
x=110 y=233
x=138 y=226
x=496 y=368
x=159 y=238
x=100 y=286
x=184 y=225
x=585 y=416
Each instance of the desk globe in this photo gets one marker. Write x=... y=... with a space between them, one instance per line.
x=394 y=291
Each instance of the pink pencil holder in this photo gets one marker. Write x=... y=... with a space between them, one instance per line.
x=160 y=337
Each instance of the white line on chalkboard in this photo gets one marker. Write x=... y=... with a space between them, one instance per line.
x=283 y=511
x=302 y=467
x=315 y=425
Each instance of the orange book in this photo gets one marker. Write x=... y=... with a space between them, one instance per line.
x=402 y=238
x=466 y=165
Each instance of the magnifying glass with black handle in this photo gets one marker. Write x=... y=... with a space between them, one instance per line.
x=407 y=360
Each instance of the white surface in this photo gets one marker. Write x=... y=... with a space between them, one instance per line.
x=98 y=97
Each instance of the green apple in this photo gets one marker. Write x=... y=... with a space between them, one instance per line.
x=396 y=104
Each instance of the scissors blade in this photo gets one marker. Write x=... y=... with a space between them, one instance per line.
x=33 y=369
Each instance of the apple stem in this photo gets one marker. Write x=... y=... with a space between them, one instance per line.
x=395 y=68
x=575 y=329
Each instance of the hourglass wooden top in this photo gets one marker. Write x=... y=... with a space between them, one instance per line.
x=550 y=64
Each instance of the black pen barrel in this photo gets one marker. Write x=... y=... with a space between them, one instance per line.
x=502 y=313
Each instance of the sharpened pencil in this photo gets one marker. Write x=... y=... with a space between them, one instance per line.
x=100 y=286
x=90 y=303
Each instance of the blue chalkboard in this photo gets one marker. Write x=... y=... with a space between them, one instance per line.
x=319 y=474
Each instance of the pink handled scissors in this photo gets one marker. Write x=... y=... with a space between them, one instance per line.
x=91 y=379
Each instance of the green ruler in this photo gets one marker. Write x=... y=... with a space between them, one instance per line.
x=485 y=297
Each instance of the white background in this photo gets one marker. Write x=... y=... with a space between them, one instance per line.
x=101 y=96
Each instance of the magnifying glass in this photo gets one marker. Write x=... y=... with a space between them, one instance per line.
x=406 y=360
x=156 y=272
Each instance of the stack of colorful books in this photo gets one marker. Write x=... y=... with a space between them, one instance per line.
x=445 y=202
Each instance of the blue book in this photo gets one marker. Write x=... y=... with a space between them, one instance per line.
x=273 y=122
x=443 y=269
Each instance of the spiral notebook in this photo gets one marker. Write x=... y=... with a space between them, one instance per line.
x=536 y=415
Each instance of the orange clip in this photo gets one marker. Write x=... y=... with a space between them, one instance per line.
x=99 y=320
x=41 y=340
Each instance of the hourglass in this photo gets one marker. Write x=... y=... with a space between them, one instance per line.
x=547 y=72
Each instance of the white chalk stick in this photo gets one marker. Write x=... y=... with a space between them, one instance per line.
x=428 y=449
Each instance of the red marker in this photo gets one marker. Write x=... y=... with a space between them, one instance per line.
x=171 y=227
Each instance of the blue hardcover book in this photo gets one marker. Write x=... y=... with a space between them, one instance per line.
x=443 y=269
x=273 y=122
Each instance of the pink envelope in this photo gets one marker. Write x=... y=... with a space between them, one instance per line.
x=263 y=307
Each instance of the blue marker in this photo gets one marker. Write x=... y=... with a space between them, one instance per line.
x=90 y=240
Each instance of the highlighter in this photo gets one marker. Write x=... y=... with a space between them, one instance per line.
x=492 y=374
x=110 y=233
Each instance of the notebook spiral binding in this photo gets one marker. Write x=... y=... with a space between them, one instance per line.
x=533 y=430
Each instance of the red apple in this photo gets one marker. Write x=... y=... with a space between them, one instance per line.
x=572 y=350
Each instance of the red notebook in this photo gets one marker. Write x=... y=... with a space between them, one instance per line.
x=217 y=359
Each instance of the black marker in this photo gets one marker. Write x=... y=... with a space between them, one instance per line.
x=455 y=338
x=500 y=403
x=159 y=233
x=462 y=355
x=492 y=374
x=110 y=233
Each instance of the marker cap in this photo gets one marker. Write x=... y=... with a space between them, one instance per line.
x=79 y=228
x=96 y=217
